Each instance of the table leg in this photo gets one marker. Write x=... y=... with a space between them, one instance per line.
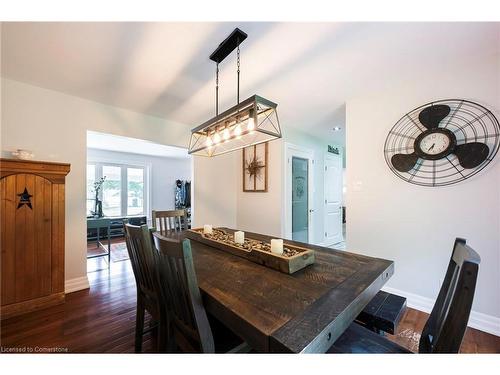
x=109 y=248
x=97 y=243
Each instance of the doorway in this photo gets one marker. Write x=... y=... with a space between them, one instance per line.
x=298 y=193
x=127 y=178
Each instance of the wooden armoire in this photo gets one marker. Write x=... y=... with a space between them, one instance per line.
x=32 y=235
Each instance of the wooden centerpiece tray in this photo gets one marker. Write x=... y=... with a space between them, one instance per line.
x=294 y=257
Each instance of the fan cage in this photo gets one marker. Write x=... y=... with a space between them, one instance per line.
x=469 y=121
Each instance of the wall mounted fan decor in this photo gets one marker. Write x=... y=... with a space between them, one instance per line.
x=442 y=143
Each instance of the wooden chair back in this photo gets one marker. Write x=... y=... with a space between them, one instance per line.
x=144 y=261
x=169 y=220
x=445 y=328
x=192 y=332
x=131 y=255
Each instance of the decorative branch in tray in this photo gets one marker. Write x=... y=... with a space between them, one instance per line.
x=292 y=259
x=249 y=244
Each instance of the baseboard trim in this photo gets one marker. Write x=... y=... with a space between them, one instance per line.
x=477 y=320
x=76 y=284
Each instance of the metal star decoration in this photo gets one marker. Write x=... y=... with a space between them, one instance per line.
x=254 y=167
x=25 y=199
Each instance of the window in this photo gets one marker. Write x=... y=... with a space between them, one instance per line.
x=111 y=190
x=123 y=191
x=135 y=191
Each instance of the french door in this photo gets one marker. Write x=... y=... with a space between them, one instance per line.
x=298 y=193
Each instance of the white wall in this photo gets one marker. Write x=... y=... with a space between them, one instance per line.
x=261 y=212
x=54 y=126
x=163 y=171
x=214 y=196
x=416 y=226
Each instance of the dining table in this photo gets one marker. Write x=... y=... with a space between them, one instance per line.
x=276 y=312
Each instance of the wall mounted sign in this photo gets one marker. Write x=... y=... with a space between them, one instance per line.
x=442 y=143
x=333 y=150
x=25 y=199
x=255 y=159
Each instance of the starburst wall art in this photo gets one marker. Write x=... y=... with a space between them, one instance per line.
x=255 y=168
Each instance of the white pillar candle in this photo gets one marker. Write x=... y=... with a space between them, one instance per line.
x=207 y=229
x=239 y=237
x=277 y=246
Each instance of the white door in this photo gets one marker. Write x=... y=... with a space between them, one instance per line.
x=299 y=191
x=333 y=199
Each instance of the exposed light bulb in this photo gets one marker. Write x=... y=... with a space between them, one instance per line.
x=225 y=134
x=251 y=124
x=216 y=138
x=208 y=142
x=237 y=130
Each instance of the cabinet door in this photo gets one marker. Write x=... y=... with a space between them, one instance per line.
x=26 y=238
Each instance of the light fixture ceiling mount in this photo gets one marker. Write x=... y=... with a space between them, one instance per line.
x=250 y=122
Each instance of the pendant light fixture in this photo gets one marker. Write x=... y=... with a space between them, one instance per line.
x=250 y=122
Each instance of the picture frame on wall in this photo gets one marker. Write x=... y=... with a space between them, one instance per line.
x=255 y=168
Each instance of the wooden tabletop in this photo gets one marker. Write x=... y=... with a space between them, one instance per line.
x=276 y=312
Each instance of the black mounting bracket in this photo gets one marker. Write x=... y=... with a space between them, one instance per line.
x=228 y=45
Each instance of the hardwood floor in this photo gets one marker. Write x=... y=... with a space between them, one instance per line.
x=102 y=319
x=98 y=320
x=408 y=335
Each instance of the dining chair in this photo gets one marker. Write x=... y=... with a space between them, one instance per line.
x=190 y=328
x=446 y=325
x=144 y=260
x=169 y=220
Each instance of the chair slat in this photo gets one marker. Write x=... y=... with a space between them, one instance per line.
x=169 y=220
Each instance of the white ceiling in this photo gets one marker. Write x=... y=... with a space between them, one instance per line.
x=310 y=70
x=111 y=142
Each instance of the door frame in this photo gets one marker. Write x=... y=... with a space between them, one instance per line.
x=291 y=150
x=325 y=211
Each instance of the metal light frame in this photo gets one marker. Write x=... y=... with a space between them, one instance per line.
x=256 y=108
x=250 y=122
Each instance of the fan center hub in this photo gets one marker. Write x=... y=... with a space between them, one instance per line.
x=434 y=144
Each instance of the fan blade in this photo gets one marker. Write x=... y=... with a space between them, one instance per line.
x=430 y=117
x=472 y=154
x=404 y=162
